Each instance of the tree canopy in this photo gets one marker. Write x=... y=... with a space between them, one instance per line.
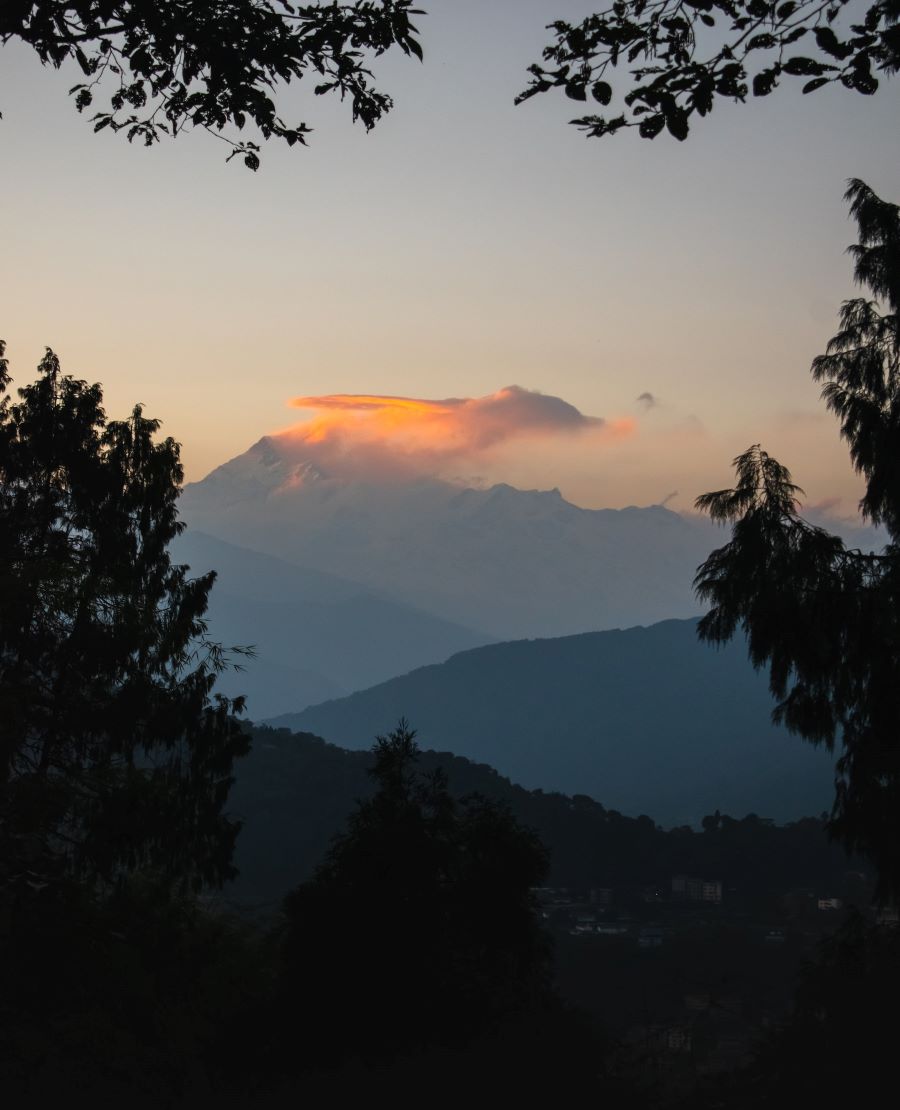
x=422 y=910
x=680 y=55
x=825 y=620
x=174 y=65
x=115 y=753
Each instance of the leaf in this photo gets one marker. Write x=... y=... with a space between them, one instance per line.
x=765 y=81
x=677 y=123
x=811 y=86
x=602 y=92
x=576 y=91
x=828 y=41
x=864 y=82
x=702 y=97
x=805 y=67
x=651 y=127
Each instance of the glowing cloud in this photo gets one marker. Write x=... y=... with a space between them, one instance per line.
x=356 y=434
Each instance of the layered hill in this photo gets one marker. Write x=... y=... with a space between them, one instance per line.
x=315 y=635
x=294 y=792
x=648 y=720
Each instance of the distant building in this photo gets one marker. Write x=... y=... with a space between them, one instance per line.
x=687 y=888
x=830 y=903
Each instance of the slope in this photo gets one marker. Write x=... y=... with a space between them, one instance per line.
x=316 y=635
x=648 y=720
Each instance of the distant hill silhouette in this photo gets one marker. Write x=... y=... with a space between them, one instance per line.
x=294 y=792
x=317 y=635
x=646 y=720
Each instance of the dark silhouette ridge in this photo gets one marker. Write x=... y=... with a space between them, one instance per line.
x=294 y=791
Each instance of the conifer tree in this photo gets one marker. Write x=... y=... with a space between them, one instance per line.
x=115 y=753
x=419 y=927
x=825 y=620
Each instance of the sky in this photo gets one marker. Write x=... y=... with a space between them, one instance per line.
x=675 y=293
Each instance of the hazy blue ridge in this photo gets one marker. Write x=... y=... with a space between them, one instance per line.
x=646 y=720
x=316 y=635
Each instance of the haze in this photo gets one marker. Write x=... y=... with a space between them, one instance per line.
x=679 y=290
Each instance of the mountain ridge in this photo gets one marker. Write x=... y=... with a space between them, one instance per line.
x=506 y=562
x=316 y=635
x=648 y=719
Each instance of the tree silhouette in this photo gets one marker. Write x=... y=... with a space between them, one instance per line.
x=419 y=926
x=680 y=55
x=114 y=754
x=825 y=620
x=216 y=64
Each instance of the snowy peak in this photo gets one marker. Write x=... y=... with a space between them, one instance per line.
x=262 y=470
x=505 y=561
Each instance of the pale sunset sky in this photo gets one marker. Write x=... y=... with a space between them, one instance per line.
x=463 y=246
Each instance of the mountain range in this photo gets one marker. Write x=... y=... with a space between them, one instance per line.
x=503 y=562
x=645 y=720
x=294 y=792
x=315 y=635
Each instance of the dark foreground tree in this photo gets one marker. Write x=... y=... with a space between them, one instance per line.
x=115 y=755
x=680 y=55
x=825 y=620
x=115 y=762
x=173 y=65
x=419 y=928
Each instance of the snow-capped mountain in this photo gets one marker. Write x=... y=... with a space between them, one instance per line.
x=507 y=562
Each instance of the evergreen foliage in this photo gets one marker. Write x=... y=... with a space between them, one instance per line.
x=826 y=620
x=419 y=926
x=115 y=755
x=294 y=790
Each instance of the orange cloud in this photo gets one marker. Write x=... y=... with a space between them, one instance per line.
x=359 y=434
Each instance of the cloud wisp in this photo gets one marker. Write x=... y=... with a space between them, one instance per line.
x=384 y=437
